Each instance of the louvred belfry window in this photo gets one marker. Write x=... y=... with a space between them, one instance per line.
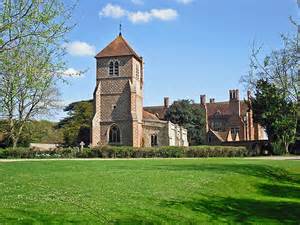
x=111 y=68
x=117 y=68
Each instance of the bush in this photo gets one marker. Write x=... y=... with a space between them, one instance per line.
x=127 y=152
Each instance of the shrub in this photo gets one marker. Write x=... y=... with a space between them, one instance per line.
x=127 y=152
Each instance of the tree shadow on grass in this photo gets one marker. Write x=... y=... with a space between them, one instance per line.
x=281 y=191
x=262 y=171
x=243 y=211
x=26 y=216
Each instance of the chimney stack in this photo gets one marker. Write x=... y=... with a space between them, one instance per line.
x=237 y=94
x=234 y=95
x=166 y=102
x=202 y=99
x=212 y=100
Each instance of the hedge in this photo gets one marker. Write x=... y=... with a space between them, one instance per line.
x=127 y=152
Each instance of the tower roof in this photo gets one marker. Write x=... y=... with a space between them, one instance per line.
x=118 y=47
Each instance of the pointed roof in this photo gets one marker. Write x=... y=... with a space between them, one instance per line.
x=118 y=47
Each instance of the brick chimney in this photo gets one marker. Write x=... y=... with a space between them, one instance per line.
x=202 y=99
x=204 y=106
x=234 y=102
x=166 y=102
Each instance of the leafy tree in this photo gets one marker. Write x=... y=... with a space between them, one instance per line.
x=28 y=72
x=280 y=68
x=76 y=127
x=35 y=132
x=191 y=116
x=34 y=19
x=275 y=112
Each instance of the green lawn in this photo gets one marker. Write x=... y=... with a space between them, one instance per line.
x=195 y=191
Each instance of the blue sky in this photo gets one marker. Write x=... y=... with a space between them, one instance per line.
x=190 y=47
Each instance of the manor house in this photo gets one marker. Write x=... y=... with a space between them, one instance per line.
x=119 y=115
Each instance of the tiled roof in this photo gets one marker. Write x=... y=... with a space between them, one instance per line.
x=159 y=111
x=223 y=108
x=212 y=108
x=118 y=47
x=149 y=116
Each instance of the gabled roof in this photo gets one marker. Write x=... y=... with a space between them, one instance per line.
x=224 y=108
x=159 y=111
x=118 y=47
x=149 y=116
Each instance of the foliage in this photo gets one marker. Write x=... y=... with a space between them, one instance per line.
x=43 y=21
x=28 y=72
x=280 y=68
x=36 y=132
x=127 y=152
x=275 y=112
x=191 y=116
x=160 y=191
x=76 y=126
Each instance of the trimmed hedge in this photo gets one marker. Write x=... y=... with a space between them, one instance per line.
x=127 y=152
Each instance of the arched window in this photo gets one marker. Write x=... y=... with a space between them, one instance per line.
x=114 y=135
x=116 y=68
x=154 y=140
x=111 y=68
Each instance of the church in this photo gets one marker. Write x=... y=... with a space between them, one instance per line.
x=119 y=115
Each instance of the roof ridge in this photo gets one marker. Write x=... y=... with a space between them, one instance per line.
x=118 y=47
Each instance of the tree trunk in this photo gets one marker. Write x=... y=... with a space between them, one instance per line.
x=15 y=142
x=286 y=148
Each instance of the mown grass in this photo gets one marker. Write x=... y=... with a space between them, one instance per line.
x=194 y=191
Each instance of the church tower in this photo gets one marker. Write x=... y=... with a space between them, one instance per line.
x=118 y=96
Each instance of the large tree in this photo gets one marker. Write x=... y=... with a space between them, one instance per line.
x=35 y=131
x=191 y=116
x=31 y=66
x=280 y=67
x=275 y=112
x=22 y=19
x=76 y=126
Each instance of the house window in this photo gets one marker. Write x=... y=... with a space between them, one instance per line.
x=111 y=68
x=116 y=68
x=114 y=135
x=235 y=130
x=154 y=140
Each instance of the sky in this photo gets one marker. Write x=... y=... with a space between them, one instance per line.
x=190 y=47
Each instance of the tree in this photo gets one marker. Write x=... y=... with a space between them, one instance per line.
x=191 y=116
x=76 y=127
x=29 y=72
x=280 y=68
x=22 y=19
x=275 y=112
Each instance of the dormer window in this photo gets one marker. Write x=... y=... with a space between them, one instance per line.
x=114 y=68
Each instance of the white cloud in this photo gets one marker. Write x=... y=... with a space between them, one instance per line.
x=139 y=17
x=71 y=72
x=137 y=2
x=79 y=48
x=114 y=11
x=185 y=1
x=161 y=14
x=164 y=14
